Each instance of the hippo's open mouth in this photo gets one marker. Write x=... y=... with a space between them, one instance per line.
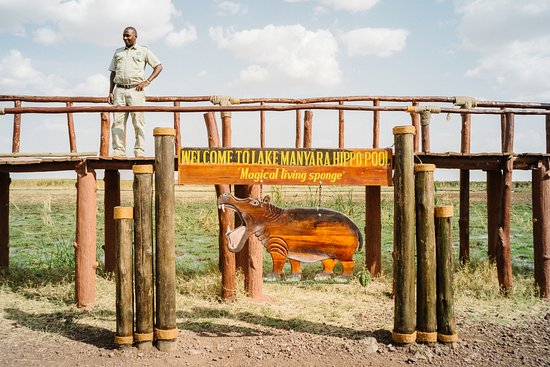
x=234 y=237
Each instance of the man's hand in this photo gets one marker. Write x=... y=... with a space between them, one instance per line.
x=142 y=85
x=110 y=98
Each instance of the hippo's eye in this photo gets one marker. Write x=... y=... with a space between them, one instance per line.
x=255 y=202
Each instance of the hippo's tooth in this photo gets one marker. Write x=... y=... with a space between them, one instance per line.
x=228 y=230
x=222 y=207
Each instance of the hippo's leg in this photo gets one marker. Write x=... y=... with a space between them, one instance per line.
x=328 y=267
x=296 y=274
x=278 y=264
x=347 y=271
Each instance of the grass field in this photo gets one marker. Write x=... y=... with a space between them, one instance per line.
x=42 y=226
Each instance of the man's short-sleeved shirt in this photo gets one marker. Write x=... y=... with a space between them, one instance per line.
x=129 y=64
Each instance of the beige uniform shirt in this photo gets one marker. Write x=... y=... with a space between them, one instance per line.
x=129 y=64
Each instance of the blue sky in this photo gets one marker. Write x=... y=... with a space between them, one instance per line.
x=489 y=49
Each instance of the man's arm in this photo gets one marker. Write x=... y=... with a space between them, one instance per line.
x=110 y=97
x=156 y=71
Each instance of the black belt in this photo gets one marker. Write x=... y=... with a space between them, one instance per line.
x=126 y=86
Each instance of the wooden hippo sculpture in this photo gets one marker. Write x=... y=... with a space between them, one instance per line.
x=299 y=234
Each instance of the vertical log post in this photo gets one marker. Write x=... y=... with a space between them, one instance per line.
x=143 y=255
x=373 y=212
x=226 y=257
x=298 y=143
x=110 y=201
x=253 y=271
x=404 y=331
x=4 y=220
x=341 y=124
x=70 y=127
x=124 y=277
x=177 y=123
x=504 y=259
x=86 y=238
x=415 y=121
x=426 y=315
x=494 y=195
x=105 y=135
x=166 y=331
x=262 y=127
x=16 y=141
x=541 y=227
x=464 y=215
x=308 y=122
x=446 y=324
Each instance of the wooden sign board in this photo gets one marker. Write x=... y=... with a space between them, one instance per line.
x=247 y=166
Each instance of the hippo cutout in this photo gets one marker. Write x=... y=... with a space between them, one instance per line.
x=299 y=234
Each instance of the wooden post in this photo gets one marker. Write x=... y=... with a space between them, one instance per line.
x=166 y=331
x=298 y=143
x=143 y=255
x=464 y=215
x=241 y=257
x=541 y=227
x=308 y=121
x=446 y=324
x=86 y=238
x=547 y=133
x=105 y=135
x=415 y=120
x=177 y=120
x=226 y=257
x=341 y=126
x=494 y=195
x=426 y=315
x=124 y=277
x=504 y=259
x=373 y=212
x=110 y=201
x=16 y=141
x=262 y=127
x=4 y=220
x=404 y=331
x=253 y=280
x=70 y=127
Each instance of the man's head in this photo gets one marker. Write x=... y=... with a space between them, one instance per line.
x=129 y=36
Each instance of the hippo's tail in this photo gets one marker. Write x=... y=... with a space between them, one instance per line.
x=360 y=239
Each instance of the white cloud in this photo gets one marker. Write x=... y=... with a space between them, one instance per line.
x=226 y=8
x=291 y=52
x=183 y=37
x=47 y=36
x=95 y=21
x=381 y=42
x=255 y=73
x=353 y=6
x=513 y=44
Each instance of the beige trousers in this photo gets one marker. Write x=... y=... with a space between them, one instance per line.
x=128 y=97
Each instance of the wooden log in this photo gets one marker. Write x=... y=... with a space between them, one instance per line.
x=105 y=135
x=124 y=277
x=541 y=227
x=404 y=331
x=253 y=280
x=86 y=238
x=4 y=221
x=494 y=195
x=547 y=124
x=177 y=123
x=241 y=257
x=415 y=121
x=298 y=143
x=16 y=141
x=143 y=255
x=341 y=124
x=426 y=314
x=464 y=214
x=446 y=323
x=376 y=126
x=373 y=230
x=308 y=121
x=111 y=182
x=166 y=331
x=226 y=258
x=503 y=253
x=70 y=127
x=262 y=128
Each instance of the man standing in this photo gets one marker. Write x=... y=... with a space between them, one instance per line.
x=127 y=75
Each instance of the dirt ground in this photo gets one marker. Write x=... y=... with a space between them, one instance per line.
x=480 y=345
